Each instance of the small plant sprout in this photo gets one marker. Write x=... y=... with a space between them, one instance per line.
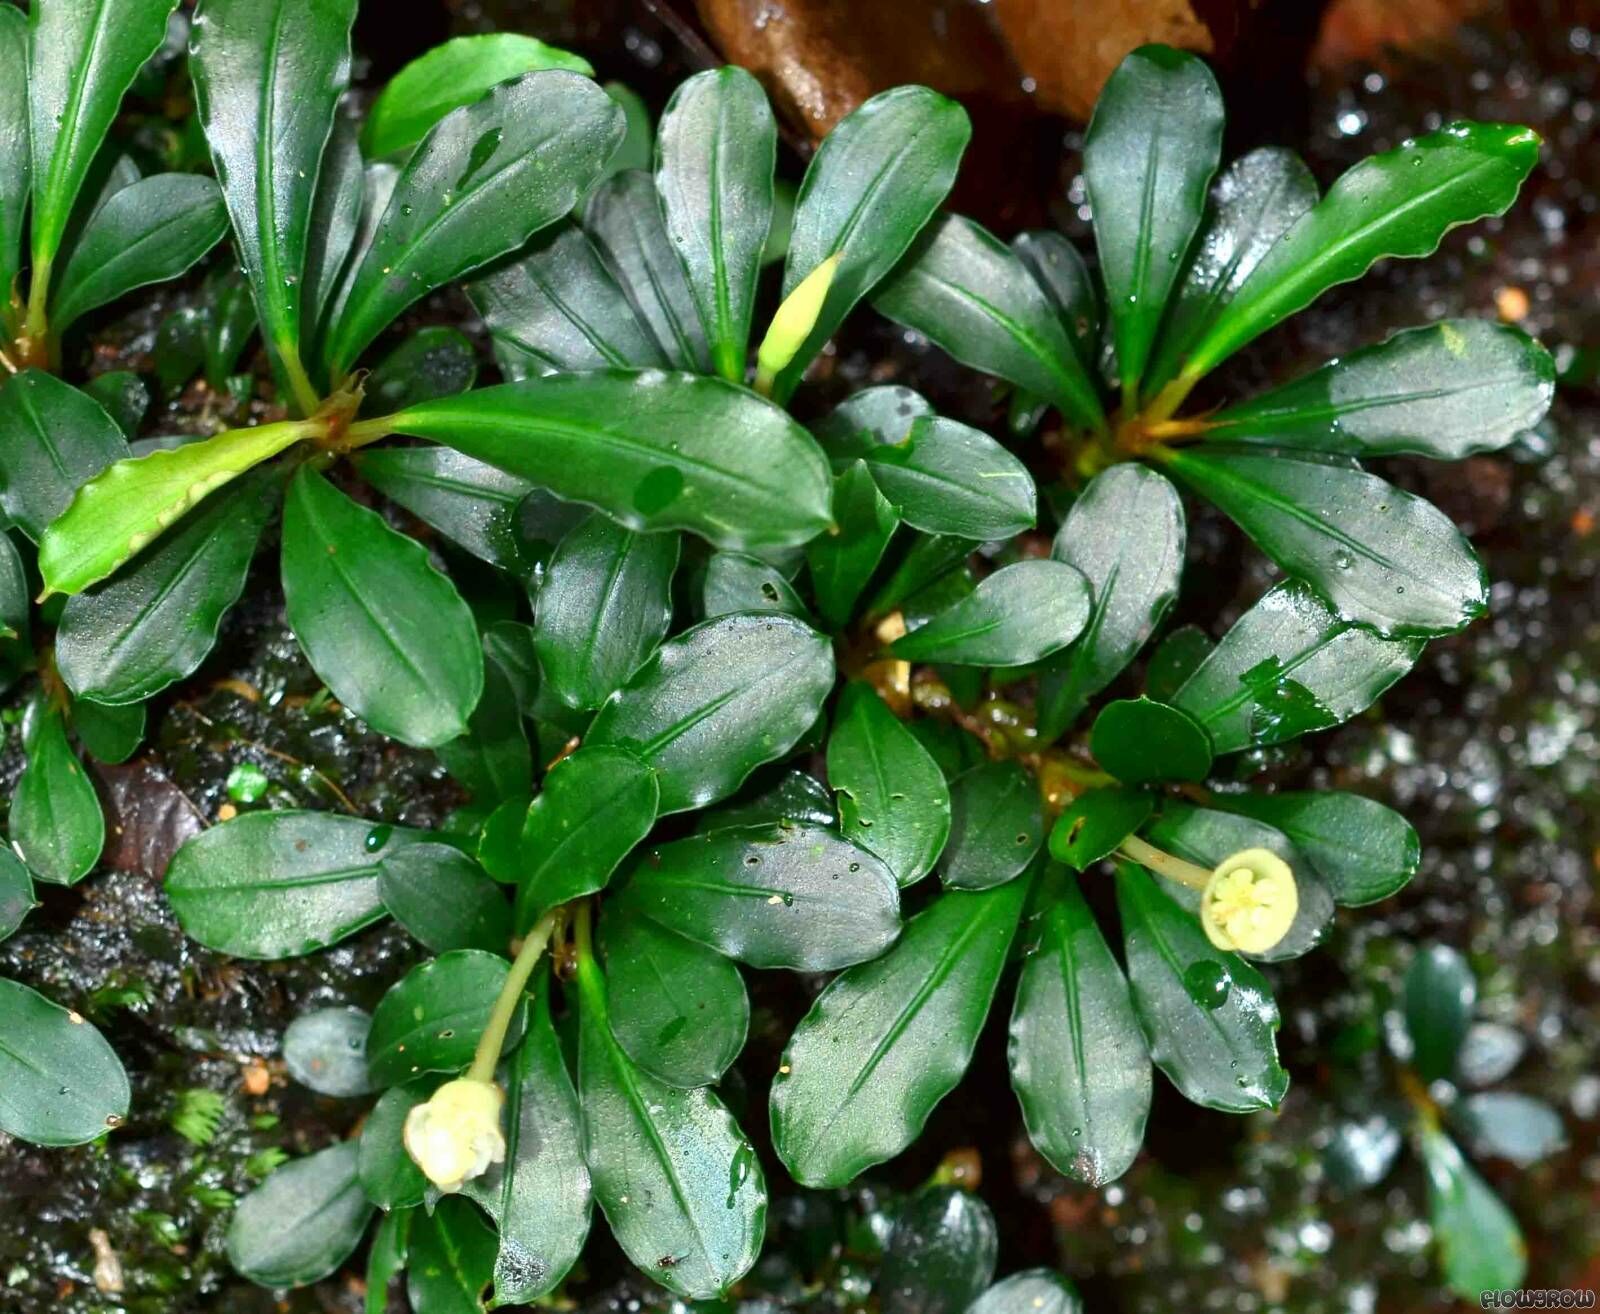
x=793 y=323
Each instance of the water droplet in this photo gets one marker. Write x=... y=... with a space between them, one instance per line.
x=1342 y=560
x=377 y=837
x=1208 y=983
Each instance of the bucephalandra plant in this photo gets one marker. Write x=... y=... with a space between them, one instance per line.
x=758 y=694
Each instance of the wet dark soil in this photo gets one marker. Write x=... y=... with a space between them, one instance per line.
x=1490 y=747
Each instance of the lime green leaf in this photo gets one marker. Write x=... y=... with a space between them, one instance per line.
x=946 y=478
x=303 y=1222
x=56 y=822
x=430 y=1020
x=52 y=439
x=60 y=1082
x=1017 y=615
x=996 y=826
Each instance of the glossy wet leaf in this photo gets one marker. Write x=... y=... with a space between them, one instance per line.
x=15 y=595
x=336 y=218
x=791 y=895
x=56 y=823
x=652 y=450
x=596 y=804
x=795 y=797
x=1035 y=1291
x=946 y=478
x=892 y=796
x=471 y=503
x=14 y=153
x=972 y=295
x=940 y=1254
x=383 y=627
x=557 y=307
x=444 y=899
x=874 y=182
x=1253 y=202
x=889 y=1039
x=603 y=607
x=1140 y=741
x=131 y=636
x=452 y=74
x=843 y=562
x=1126 y=534
x=868 y=418
x=450 y=1259
x=1440 y=993
x=1289 y=666
x=1363 y=850
x=682 y=1012
x=928 y=558
x=326 y=1051
x=82 y=56
x=735 y=582
x=108 y=733
x=124 y=396
x=492 y=760
x=623 y=217
x=1078 y=1059
x=279 y=884
x=1096 y=822
x=250 y=62
x=1398 y=203
x=389 y=1175
x=718 y=700
x=1511 y=1126
x=430 y=1020
x=60 y=1082
x=1360 y=1154
x=1175 y=658
x=716 y=147
x=52 y=439
x=1017 y=615
x=433 y=362
x=1148 y=156
x=1480 y=1246
x=303 y=1222
x=1208 y=1016
x=16 y=892
x=539 y=1198
x=1489 y=1051
x=996 y=826
x=675 y=1176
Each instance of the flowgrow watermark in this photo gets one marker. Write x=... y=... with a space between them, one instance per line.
x=1569 y=1298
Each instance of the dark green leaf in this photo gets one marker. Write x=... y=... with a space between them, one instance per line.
x=430 y=1020
x=1139 y=741
x=735 y=582
x=56 y=823
x=82 y=56
x=928 y=558
x=1488 y=1053
x=677 y=1179
x=1078 y=1059
x=1152 y=146
x=379 y=623
x=108 y=733
x=946 y=478
x=872 y=417
x=789 y=895
x=1036 y=1291
x=153 y=623
x=15 y=595
x=996 y=826
x=14 y=154
x=886 y=1041
x=448 y=76
x=472 y=503
x=1440 y=992
x=556 y=307
x=892 y=796
x=389 y=1175
x=60 y=1082
x=450 y=1259
x=16 y=891
x=146 y=233
x=1510 y=1126
x=386 y=1258
x=1399 y=203
x=1208 y=1015
x=336 y=218
x=492 y=759
x=1360 y=1154
x=509 y=645
x=52 y=439
x=638 y=147
x=1363 y=850
x=279 y=884
x=1288 y=666
x=539 y=1197
x=596 y=804
x=1481 y=1247
x=844 y=559
x=303 y=1222
x=1253 y=203
x=653 y=450
x=252 y=61
x=444 y=898
x=1060 y=272
x=124 y=396
x=433 y=362
x=230 y=323
x=603 y=607
x=1095 y=823
x=1015 y=616
x=716 y=701
x=326 y=1051
x=796 y=797
x=623 y=216
x=1174 y=660
x=940 y=1255
x=682 y=1010
x=874 y=182
x=971 y=294
x=716 y=147
x=1447 y=390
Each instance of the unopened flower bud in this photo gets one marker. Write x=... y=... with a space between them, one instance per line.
x=1250 y=902
x=455 y=1136
x=792 y=323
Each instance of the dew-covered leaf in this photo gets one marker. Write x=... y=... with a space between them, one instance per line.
x=996 y=826
x=60 y=1082
x=1017 y=615
x=430 y=1020
x=326 y=1051
x=55 y=822
x=948 y=478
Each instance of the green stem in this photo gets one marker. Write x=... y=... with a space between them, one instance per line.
x=1164 y=863
x=1165 y=402
x=591 y=985
x=487 y=1056
x=305 y=395
x=36 y=326
x=363 y=432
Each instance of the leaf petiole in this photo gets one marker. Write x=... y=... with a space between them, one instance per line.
x=1163 y=863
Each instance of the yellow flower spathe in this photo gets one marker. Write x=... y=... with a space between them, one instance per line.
x=792 y=323
x=455 y=1136
x=1250 y=902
